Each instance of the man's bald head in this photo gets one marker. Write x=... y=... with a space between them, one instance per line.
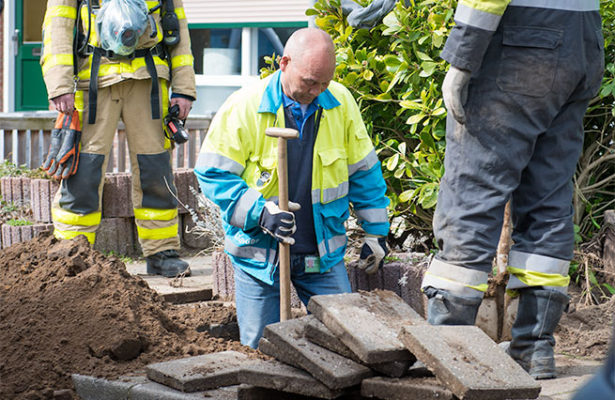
x=310 y=41
x=308 y=64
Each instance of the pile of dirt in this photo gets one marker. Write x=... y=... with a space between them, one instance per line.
x=586 y=330
x=65 y=308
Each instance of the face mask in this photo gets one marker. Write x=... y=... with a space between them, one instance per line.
x=120 y=23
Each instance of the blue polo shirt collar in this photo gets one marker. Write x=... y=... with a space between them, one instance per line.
x=273 y=97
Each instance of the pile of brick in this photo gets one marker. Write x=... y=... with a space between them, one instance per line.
x=352 y=346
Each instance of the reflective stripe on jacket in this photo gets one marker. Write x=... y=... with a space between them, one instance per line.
x=57 y=56
x=477 y=20
x=237 y=169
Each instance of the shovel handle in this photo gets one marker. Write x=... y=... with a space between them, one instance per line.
x=283 y=134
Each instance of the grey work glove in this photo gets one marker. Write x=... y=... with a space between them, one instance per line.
x=372 y=253
x=455 y=92
x=277 y=223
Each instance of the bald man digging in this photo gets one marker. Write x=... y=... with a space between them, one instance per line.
x=331 y=164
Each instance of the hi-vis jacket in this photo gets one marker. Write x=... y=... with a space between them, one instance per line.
x=477 y=20
x=237 y=169
x=57 y=57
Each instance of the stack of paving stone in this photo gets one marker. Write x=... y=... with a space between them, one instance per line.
x=352 y=346
x=117 y=231
x=36 y=193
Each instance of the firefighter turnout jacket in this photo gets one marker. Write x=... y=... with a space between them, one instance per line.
x=57 y=55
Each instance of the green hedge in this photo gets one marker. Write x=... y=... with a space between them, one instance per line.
x=395 y=73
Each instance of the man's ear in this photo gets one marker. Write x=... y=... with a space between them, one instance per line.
x=284 y=62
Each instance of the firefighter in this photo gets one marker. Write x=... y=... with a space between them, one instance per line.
x=119 y=65
x=521 y=76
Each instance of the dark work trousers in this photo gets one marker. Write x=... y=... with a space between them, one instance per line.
x=522 y=138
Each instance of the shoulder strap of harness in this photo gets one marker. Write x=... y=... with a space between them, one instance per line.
x=82 y=48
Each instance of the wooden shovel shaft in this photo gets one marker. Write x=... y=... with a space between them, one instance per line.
x=284 y=249
x=284 y=252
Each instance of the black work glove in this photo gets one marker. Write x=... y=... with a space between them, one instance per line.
x=63 y=156
x=372 y=253
x=277 y=223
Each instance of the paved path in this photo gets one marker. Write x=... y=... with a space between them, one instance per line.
x=197 y=287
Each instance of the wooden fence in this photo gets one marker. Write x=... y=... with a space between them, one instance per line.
x=25 y=137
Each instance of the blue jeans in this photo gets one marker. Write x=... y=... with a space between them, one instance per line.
x=258 y=304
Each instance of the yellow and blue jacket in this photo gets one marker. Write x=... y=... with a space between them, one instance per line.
x=237 y=170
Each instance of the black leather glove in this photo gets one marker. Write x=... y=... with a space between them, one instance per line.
x=277 y=223
x=63 y=156
x=372 y=253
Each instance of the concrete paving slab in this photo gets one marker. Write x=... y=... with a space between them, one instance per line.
x=405 y=388
x=317 y=332
x=193 y=374
x=140 y=388
x=248 y=392
x=197 y=287
x=469 y=363
x=273 y=374
x=368 y=323
x=291 y=347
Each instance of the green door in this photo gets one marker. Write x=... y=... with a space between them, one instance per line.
x=30 y=91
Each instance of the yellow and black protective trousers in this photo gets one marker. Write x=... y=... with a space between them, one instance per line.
x=78 y=204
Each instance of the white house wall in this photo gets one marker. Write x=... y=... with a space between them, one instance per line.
x=245 y=11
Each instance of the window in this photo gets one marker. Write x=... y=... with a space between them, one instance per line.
x=226 y=59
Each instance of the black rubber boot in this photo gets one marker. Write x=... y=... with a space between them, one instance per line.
x=532 y=341
x=444 y=308
x=167 y=263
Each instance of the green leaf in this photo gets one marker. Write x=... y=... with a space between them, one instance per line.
x=423 y=56
x=390 y=20
x=427 y=139
x=428 y=68
x=610 y=288
x=429 y=195
x=411 y=105
x=392 y=62
x=350 y=78
x=415 y=119
x=438 y=111
x=310 y=11
x=368 y=75
x=405 y=196
x=392 y=162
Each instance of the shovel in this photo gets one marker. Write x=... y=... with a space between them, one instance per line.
x=283 y=134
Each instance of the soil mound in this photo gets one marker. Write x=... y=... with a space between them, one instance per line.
x=65 y=308
x=586 y=330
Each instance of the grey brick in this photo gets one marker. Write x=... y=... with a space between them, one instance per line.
x=291 y=347
x=42 y=192
x=117 y=195
x=317 y=332
x=137 y=387
x=184 y=179
x=405 y=388
x=368 y=323
x=469 y=363
x=276 y=375
x=117 y=235
x=199 y=373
